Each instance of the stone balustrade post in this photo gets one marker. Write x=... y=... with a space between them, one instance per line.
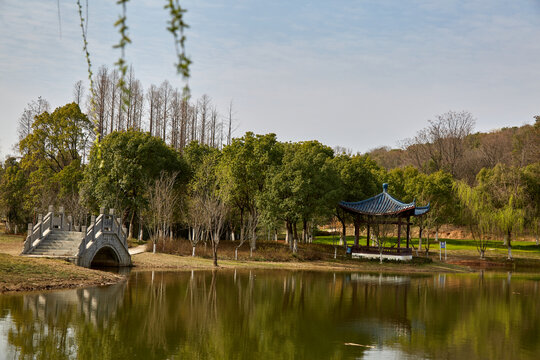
x=85 y=240
x=40 y=222
x=69 y=223
x=93 y=225
x=120 y=225
x=28 y=241
x=102 y=212
x=51 y=208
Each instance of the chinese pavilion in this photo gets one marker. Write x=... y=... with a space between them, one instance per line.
x=382 y=209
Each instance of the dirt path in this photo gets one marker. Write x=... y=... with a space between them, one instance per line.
x=147 y=261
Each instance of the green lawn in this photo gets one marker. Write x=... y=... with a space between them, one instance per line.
x=464 y=247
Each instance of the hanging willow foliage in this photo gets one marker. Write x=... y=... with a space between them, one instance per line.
x=175 y=25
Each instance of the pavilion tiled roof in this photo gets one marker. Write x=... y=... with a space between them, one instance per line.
x=384 y=204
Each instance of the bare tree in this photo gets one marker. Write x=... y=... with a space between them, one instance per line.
x=32 y=109
x=382 y=230
x=153 y=98
x=163 y=200
x=165 y=91
x=204 y=110
x=114 y=94
x=98 y=111
x=78 y=92
x=230 y=119
x=440 y=146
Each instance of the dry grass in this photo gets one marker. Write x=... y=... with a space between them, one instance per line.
x=265 y=251
x=272 y=255
x=11 y=244
x=19 y=273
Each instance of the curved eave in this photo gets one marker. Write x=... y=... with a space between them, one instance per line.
x=386 y=213
x=421 y=210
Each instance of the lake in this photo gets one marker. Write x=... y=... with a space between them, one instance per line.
x=279 y=315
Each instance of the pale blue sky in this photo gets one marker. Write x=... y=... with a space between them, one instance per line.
x=359 y=74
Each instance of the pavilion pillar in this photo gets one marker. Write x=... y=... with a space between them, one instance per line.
x=356 y=231
x=408 y=230
x=399 y=232
x=367 y=241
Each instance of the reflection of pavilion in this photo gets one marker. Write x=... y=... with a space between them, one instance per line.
x=380 y=279
x=377 y=212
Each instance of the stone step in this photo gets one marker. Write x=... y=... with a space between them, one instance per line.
x=52 y=248
x=59 y=242
x=64 y=237
x=54 y=253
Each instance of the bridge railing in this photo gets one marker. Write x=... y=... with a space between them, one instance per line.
x=38 y=231
x=103 y=224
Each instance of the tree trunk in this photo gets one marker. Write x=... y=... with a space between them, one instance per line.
x=193 y=251
x=537 y=239
x=289 y=236
x=130 y=231
x=427 y=244
x=420 y=238
x=214 y=250
x=343 y=234
x=482 y=254
x=236 y=254
x=509 y=244
x=304 y=231
x=154 y=248
x=295 y=239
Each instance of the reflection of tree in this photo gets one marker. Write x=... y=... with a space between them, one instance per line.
x=267 y=315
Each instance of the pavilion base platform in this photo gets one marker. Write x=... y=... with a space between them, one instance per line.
x=372 y=252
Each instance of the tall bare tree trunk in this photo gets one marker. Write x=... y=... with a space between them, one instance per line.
x=509 y=244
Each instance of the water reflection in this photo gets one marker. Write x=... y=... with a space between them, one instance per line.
x=278 y=314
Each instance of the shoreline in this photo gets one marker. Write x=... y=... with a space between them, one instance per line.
x=23 y=274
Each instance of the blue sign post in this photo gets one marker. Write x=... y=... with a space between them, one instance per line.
x=442 y=245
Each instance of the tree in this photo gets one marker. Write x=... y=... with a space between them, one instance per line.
x=301 y=188
x=12 y=190
x=503 y=189
x=440 y=146
x=359 y=178
x=163 y=199
x=53 y=155
x=122 y=166
x=475 y=214
x=207 y=192
x=531 y=181
x=32 y=109
x=382 y=229
x=244 y=170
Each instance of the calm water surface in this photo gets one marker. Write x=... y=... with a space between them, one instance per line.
x=279 y=315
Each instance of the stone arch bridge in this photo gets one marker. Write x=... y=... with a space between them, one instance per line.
x=103 y=243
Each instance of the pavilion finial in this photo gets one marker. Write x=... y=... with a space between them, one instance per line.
x=385 y=187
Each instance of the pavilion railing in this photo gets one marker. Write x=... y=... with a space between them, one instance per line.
x=385 y=250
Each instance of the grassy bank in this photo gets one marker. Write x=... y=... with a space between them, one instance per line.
x=160 y=261
x=19 y=273
x=526 y=254
x=23 y=274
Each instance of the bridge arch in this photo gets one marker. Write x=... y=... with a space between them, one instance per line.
x=106 y=256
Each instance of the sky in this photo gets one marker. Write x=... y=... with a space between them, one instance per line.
x=356 y=74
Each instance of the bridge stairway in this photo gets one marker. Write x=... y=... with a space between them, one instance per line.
x=59 y=243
